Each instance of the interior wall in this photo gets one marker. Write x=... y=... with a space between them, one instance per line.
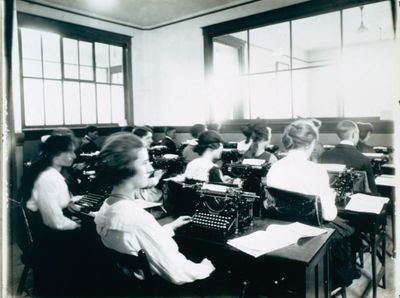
x=177 y=94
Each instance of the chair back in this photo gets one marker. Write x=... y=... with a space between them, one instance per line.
x=131 y=263
x=293 y=206
x=21 y=229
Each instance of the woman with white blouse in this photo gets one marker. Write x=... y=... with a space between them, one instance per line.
x=297 y=174
x=47 y=197
x=126 y=227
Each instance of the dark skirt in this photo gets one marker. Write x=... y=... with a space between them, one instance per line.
x=343 y=253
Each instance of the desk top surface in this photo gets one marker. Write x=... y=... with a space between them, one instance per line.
x=386 y=180
x=304 y=251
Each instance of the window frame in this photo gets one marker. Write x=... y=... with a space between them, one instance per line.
x=276 y=16
x=85 y=34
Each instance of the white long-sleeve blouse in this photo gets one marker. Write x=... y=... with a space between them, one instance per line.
x=50 y=195
x=295 y=173
x=127 y=228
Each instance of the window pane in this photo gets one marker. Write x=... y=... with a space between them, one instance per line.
x=33 y=102
x=88 y=96
x=103 y=104
x=118 y=104
x=270 y=48
x=32 y=68
x=70 y=58
x=72 y=107
x=70 y=51
x=86 y=73
x=85 y=53
x=229 y=99
x=52 y=70
x=315 y=94
x=270 y=95
x=102 y=62
x=370 y=71
x=116 y=65
x=316 y=40
x=51 y=47
x=71 y=71
x=53 y=102
x=31 y=47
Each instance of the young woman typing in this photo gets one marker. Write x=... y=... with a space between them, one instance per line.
x=261 y=139
x=297 y=174
x=47 y=196
x=127 y=228
x=203 y=168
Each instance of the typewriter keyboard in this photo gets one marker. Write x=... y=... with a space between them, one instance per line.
x=212 y=221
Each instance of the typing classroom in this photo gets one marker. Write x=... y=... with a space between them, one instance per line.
x=200 y=148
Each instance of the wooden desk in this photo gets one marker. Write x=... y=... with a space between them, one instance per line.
x=301 y=268
x=373 y=225
x=386 y=185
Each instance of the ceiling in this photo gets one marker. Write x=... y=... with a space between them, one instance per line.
x=142 y=13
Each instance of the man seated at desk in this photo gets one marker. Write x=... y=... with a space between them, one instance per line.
x=346 y=152
x=89 y=140
x=169 y=140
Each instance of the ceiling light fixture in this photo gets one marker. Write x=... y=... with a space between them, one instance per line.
x=362 y=27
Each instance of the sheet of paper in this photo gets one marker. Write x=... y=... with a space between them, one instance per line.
x=273 y=238
x=366 y=203
x=385 y=180
x=146 y=205
x=253 y=162
x=331 y=167
x=171 y=156
x=215 y=187
x=179 y=178
x=374 y=155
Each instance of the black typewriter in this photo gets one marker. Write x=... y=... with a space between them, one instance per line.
x=170 y=165
x=244 y=171
x=90 y=202
x=343 y=184
x=220 y=213
x=158 y=151
x=230 y=156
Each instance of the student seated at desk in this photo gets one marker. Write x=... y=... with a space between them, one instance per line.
x=188 y=153
x=203 y=168
x=244 y=146
x=88 y=144
x=296 y=173
x=47 y=196
x=127 y=228
x=365 y=132
x=346 y=152
x=149 y=192
x=261 y=138
x=169 y=140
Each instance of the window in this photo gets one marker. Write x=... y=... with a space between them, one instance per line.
x=69 y=79
x=322 y=65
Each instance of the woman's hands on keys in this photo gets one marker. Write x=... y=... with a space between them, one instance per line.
x=181 y=221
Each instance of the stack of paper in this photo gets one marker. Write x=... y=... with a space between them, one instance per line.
x=386 y=180
x=366 y=203
x=273 y=238
x=253 y=162
x=145 y=204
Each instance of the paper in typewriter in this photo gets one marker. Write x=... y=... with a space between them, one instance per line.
x=215 y=187
x=366 y=203
x=273 y=238
x=253 y=162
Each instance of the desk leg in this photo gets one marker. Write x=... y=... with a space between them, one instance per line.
x=393 y=230
x=384 y=260
x=320 y=278
x=328 y=281
x=373 y=257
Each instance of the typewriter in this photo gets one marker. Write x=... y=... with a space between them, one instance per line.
x=343 y=184
x=230 y=155
x=244 y=171
x=230 y=145
x=222 y=211
x=383 y=149
x=90 y=202
x=171 y=164
x=377 y=161
x=158 y=151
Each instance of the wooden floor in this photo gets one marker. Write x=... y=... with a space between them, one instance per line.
x=354 y=291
